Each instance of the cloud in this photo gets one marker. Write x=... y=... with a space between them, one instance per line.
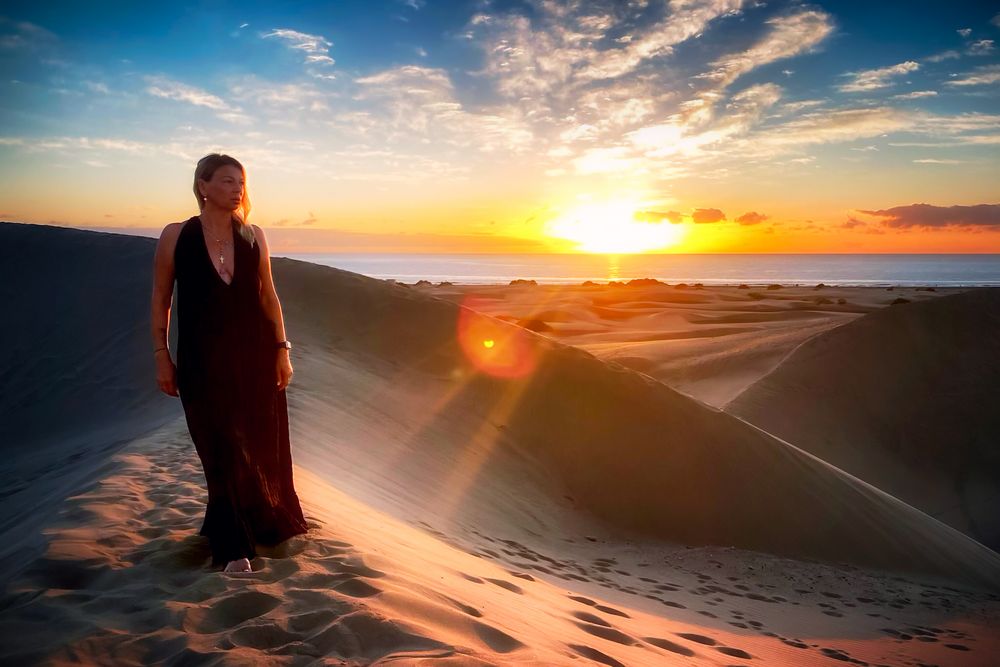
x=556 y=49
x=930 y=160
x=414 y=101
x=873 y=79
x=964 y=32
x=790 y=35
x=687 y=19
x=414 y=4
x=917 y=94
x=316 y=47
x=674 y=217
x=982 y=47
x=926 y=215
x=278 y=98
x=996 y=20
x=705 y=215
x=24 y=36
x=837 y=125
x=174 y=90
x=980 y=76
x=852 y=223
x=751 y=218
x=944 y=55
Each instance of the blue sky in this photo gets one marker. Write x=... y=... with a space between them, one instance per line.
x=489 y=117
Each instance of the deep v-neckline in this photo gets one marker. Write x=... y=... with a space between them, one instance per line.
x=208 y=253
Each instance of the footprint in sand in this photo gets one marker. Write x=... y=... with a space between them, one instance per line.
x=347 y=637
x=311 y=620
x=734 y=652
x=357 y=588
x=498 y=640
x=595 y=655
x=837 y=654
x=606 y=632
x=461 y=606
x=229 y=612
x=671 y=603
x=668 y=645
x=590 y=618
x=506 y=584
x=357 y=568
x=701 y=639
x=262 y=636
x=582 y=600
x=611 y=610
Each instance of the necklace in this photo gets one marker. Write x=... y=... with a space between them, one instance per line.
x=222 y=244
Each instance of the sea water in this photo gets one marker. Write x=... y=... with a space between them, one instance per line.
x=714 y=269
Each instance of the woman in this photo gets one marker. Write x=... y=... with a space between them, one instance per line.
x=232 y=365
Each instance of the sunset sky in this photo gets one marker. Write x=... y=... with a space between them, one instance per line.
x=531 y=126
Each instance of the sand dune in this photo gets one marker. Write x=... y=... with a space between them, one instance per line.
x=710 y=342
x=561 y=508
x=75 y=368
x=904 y=398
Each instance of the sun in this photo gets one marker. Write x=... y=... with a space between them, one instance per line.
x=612 y=228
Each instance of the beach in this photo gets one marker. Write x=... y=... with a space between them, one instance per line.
x=524 y=474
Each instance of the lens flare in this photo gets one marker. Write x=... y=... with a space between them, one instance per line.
x=493 y=347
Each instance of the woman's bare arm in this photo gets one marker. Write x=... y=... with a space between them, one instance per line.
x=268 y=295
x=163 y=286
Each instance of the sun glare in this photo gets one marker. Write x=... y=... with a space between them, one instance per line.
x=612 y=227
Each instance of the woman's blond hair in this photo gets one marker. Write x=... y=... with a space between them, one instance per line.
x=206 y=169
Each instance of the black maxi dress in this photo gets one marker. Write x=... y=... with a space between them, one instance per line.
x=227 y=381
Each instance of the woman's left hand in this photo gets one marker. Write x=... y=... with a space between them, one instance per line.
x=284 y=369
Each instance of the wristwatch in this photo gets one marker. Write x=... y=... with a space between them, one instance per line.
x=287 y=344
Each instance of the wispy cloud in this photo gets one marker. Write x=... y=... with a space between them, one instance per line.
x=873 y=79
x=174 y=90
x=915 y=95
x=316 y=47
x=950 y=54
x=419 y=103
x=24 y=36
x=685 y=20
x=789 y=36
x=980 y=76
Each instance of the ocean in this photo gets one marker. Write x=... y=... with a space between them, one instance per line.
x=717 y=269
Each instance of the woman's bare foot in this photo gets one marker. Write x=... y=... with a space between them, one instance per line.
x=241 y=566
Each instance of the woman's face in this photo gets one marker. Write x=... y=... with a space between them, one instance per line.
x=225 y=190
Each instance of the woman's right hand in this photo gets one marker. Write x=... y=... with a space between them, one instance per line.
x=166 y=373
